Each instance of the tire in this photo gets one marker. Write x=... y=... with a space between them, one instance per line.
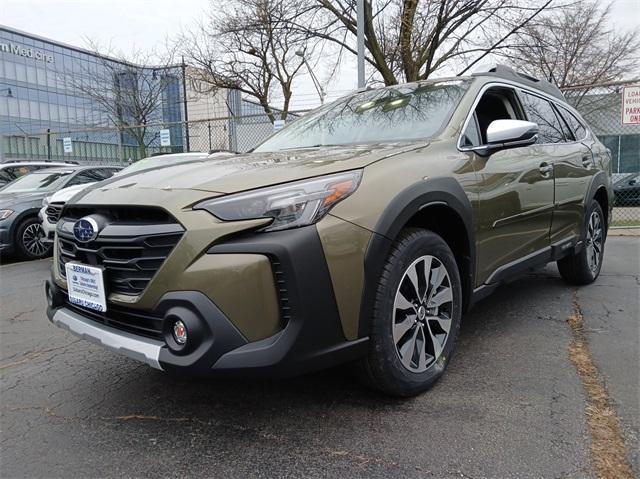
x=28 y=240
x=584 y=267
x=397 y=364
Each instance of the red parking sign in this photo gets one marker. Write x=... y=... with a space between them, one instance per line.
x=631 y=105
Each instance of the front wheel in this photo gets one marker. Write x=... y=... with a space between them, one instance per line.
x=584 y=267
x=29 y=236
x=416 y=316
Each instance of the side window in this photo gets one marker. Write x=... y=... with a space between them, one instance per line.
x=82 y=178
x=568 y=133
x=107 y=173
x=540 y=111
x=579 y=130
x=18 y=171
x=497 y=103
x=471 y=136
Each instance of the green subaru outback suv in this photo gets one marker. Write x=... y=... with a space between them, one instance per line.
x=359 y=233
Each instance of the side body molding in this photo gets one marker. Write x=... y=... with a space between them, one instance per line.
x=445 y=191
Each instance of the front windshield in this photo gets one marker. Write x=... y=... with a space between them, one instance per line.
x=405 y=112
x=37 y=182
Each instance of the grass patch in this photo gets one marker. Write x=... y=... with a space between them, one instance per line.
x=608 y=451
x=625 y=223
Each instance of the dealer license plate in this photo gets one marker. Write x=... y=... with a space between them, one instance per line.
x=86 y=286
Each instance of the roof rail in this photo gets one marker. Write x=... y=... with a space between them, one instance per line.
x=503 y=71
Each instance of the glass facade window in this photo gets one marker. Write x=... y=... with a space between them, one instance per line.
x=38 y=93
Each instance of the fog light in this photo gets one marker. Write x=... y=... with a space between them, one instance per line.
x=180 y=332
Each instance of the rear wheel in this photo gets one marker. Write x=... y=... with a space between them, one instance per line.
x=416 y=316
x=29 y=236
x=584 y=266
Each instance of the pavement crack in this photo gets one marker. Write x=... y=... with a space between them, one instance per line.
x=18 y=317
x=34 y=355
x=608 y=450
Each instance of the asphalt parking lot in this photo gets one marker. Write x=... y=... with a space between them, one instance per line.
x=511 y=405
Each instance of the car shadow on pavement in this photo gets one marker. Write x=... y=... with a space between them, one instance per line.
x=190 y=397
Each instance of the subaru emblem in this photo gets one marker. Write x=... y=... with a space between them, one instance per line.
x=85 y=229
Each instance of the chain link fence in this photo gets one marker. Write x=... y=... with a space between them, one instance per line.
x=603 y=107
x=110 y=146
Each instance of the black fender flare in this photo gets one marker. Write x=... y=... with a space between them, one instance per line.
x=445 y=191
x=599 y=180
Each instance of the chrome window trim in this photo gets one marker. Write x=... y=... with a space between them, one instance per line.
x=516 y=87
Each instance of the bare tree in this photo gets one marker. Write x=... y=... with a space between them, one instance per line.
x=129 y=93
x=576 y=46
x=247 y=45
x=409 y=40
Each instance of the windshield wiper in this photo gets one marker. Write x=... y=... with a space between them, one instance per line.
x=308 y=146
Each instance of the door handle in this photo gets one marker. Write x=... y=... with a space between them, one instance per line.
x=546 y=168
x=587 y=161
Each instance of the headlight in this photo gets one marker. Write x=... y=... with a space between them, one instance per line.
x=5 y=214
x=45 y=201
x=291 y=205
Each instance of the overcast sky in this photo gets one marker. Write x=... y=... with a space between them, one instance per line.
x=146 y=23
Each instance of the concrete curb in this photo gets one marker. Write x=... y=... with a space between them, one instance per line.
x=624 y=231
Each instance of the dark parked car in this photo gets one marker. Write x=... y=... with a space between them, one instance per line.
x=12 y=170
x=627 y=190
x=20 y=201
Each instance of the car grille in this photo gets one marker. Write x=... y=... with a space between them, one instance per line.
x=53 y=212
x=124 y=319
x=131 y=247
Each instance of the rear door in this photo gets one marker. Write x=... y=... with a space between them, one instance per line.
x=572 y=164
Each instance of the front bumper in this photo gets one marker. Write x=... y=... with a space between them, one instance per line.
x=49 y=228
x=311 y=337
x=6 y=245
x=136 y=347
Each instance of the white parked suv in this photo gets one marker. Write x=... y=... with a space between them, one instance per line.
x=52 y=207
x=53 y=204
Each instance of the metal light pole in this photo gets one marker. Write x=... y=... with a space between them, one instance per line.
x=184 y=99
x=314 y=79
x=360 y=42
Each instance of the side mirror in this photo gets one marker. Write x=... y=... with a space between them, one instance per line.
x=511 y=133
x=503 y=134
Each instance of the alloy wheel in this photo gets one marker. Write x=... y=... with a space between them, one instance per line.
x=422 y=313
x=594 y=241
x=32 y=240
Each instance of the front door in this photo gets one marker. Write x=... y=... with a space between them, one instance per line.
x=515 y=205
x=514 y=191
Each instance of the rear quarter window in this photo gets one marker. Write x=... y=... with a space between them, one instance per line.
x=579 y=130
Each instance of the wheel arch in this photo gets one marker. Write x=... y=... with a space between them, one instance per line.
x=600 y=191
x=438 y=204
x=22 y=216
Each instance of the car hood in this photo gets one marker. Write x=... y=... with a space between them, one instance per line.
x=9 y=200
x=254 y=170
x=65 y=194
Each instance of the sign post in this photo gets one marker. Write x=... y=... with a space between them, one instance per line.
x=631 y=105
